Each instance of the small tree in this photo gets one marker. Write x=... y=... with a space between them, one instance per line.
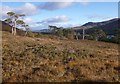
x=27 y=29
x=30 y=33
x=12 y=20
x=23 y=24
x=76 y=35
x=59 y=32
x=9 y=20
x=53 y=29
x=98 y=33
x=68 y=33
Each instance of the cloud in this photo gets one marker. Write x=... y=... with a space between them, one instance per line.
x=4 y=11
x=66 y=25
x=55 y=5
x=97 y=16
x=84 y=2
x=27 y=9
x=28 y=20
x=59 y=5
x=45 y=26
x=55 y=19
x=31 y=9
x=39 y=27
x=59 y=21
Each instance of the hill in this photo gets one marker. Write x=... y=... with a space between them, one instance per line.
x=109 y=26
x=27 y=59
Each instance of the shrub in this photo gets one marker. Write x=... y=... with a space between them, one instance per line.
x=30 y=34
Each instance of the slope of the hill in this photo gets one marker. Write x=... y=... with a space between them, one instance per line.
x=6 y=27
x=109 y=26
x=28 y=59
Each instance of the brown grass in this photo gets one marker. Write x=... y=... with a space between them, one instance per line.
x=52 y=60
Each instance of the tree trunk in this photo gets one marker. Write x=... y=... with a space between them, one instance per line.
x=26 y=33
x=96 y=38
x=12 y=30
x=15 y=28
x=83 y=34
x=76 y=37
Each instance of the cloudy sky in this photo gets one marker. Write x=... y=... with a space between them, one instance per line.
x=63 y=14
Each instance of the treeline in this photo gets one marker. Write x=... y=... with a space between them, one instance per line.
x=96 y=34
x=114 y=38
x=62 y=32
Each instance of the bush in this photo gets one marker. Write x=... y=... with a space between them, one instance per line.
x=112 y=40
x=30 y=34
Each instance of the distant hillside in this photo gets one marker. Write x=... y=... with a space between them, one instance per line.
x=43 y=31
x=109 y=26
x=7 y=27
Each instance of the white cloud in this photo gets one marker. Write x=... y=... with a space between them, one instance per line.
x=59 y=21
x=38 y=26
x=4 y=11
x=97 y=16
x=66 y=25
x=50 y=21
x=28 y=20
x=31 y=9
x=45 y=26
x=27 y=9
x=55 y=19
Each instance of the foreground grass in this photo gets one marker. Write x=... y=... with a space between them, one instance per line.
x=28 y=59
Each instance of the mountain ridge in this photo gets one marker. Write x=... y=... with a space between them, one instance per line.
x=109 y=26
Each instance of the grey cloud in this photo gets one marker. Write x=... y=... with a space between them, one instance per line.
x=55 y=5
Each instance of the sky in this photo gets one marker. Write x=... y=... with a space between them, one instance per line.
x=62 y=14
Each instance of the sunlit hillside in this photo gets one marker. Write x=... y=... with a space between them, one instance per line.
x=48 y=60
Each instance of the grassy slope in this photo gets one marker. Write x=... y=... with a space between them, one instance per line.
x=49 y=60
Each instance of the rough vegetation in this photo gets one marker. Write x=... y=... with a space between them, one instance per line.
x=27 y=59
